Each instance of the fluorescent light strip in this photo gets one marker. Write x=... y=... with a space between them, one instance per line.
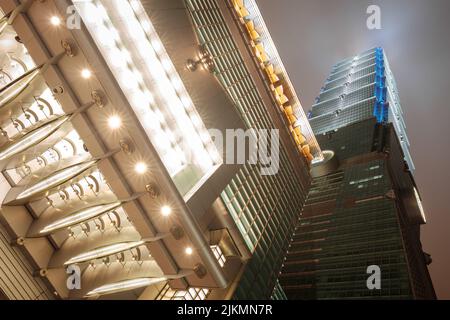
x=3 y=24
x=55 y=179
x=104 y=252
x=15 y=87
x=125 y=286
x=32 y=138
x=79 y=217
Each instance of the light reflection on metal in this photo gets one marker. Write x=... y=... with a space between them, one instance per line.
x=79 y=217
x=32 y=138
x=14 y=88
x=55 y=179
x=104 y=252
x=125 y=286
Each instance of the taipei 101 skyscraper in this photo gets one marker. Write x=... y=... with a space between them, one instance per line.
x=359 y=233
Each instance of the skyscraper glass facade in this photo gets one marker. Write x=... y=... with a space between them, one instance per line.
x=355 y=215
x=358 y=88
x=263 y=207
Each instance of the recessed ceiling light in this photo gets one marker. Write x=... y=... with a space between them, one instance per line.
x=188 y=251
x=56 y=21
x=140 y=167
x=166 y=211
x=124 y=286
x=86 y=73
x=114 y=122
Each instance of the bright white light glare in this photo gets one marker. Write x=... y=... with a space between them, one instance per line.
x=188 y=251
x=55 y=179
x=104 y=252
x=79 y=217
x=86 y=73
x=114 y=122
x=125 y=286
x=140 y=168
x=56 y=21
x=166 y=211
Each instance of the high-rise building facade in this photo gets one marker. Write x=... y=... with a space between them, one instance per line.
x=362 y=216
x=113 y=184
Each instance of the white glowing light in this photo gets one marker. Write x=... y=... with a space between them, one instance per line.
x=114 y=122
x=188 y=251
x=86 y=73
x=56 y=21
x=125 y=286
x=55 y=179
x=150 y=69
x=79 y=217
x=11 y=91
x=104 y=252
x=166 y=211
x=32 y=138
x=140 y=168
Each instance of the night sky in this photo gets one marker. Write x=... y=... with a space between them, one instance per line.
x=312 y=35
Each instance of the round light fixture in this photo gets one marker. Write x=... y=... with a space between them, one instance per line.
x=114 y=122
x=56 y=21
x=140 y=168
x=166 y=211
x=86 y=73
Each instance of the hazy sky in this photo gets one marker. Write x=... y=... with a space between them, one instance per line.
x=312 y=35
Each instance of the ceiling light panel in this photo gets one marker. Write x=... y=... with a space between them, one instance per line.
x=55 y=179
x=103 y=252
x=79 y=217
x=134 y=53
x=32 y=138
x=125 y=286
